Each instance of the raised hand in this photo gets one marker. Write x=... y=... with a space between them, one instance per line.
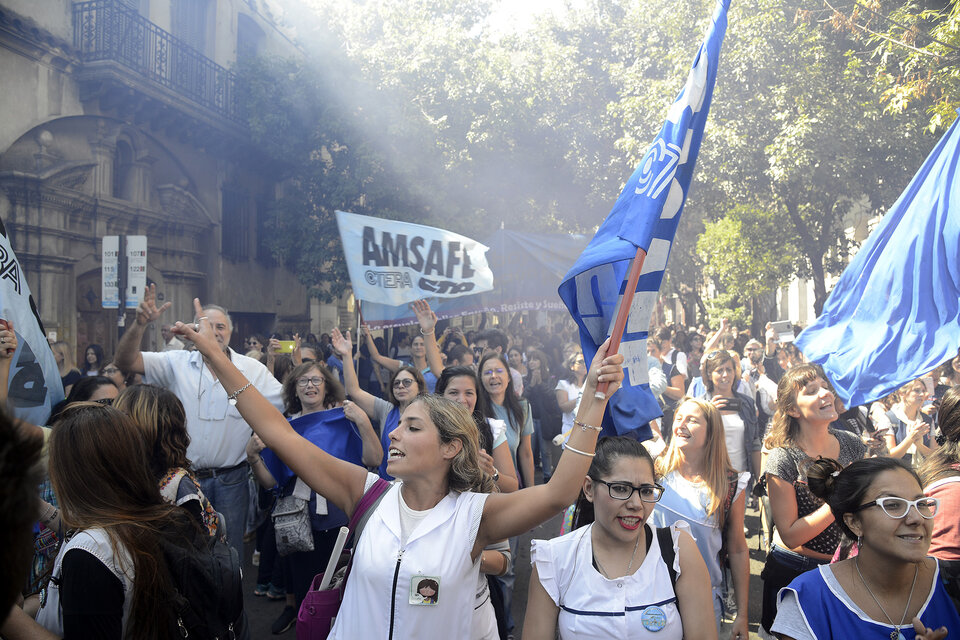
x=352 y=411
x=147 y=310
x=254 y=446
x=604 y=368
x=273 y=346
x=425 y=315
x=8 y=340
x=341 y=343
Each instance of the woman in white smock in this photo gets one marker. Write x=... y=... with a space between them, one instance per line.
x=609 y=577
x=417 y=561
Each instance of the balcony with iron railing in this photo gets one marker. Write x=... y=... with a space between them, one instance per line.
x=120 y=51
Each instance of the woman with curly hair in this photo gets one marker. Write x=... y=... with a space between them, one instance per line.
x=806 y=533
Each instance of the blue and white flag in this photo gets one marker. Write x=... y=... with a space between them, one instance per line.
x=646 y=216
x=34 y=387
x=895 y=312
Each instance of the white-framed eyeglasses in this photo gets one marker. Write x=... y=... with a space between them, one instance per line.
x=897 y=508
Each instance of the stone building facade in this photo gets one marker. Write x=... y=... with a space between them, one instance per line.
x=122 y=117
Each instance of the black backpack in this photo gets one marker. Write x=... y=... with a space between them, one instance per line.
x=207 y=602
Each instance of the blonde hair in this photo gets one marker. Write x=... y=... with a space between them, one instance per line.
x=454 y=423
x=716 y=461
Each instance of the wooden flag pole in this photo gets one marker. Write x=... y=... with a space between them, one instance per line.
x=621 y=322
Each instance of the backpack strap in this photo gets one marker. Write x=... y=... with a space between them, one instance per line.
x=668 y=553
x=732 y=479
x=365 y=508
x=367 y=505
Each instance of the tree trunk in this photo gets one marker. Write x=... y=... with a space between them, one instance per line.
x=814 y=253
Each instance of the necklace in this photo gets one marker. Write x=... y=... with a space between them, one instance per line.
x=629 y=566
x=895 y=634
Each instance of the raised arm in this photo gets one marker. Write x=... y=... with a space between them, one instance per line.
x=254 y=447
x=428 y=323
x=714 y=340
x=128 y=358
x=339 y=481
x=8 y=346
x=344 y=347
x=375 y=355
x=510 y=514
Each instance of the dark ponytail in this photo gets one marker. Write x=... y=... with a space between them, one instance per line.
x=844 y=488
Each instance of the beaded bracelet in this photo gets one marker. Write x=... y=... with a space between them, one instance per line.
x=584 y=427
x=567 y=447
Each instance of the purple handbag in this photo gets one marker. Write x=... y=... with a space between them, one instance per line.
x=319 y=608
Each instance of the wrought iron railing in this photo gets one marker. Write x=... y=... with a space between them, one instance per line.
x=107 y=30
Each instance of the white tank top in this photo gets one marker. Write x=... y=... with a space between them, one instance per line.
x=97 y=543
x=385 y=576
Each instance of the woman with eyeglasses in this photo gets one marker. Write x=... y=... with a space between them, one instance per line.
x=611 y=577
x=424 y=350
x=891 y=588
x=405 y=385
x=806 y=533
x=500 y=402
x=460 y=385
x=705 y=491
x=313 y=397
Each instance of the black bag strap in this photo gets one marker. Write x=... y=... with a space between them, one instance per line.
x=667 y=552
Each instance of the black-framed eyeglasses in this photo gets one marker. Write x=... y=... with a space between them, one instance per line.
x=623 y=490
x=898 y=508
x=403 y=383
x=304 y=382
x=106 y=401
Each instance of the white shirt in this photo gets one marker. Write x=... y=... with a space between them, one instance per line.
x=218 y=433
x=572 y=391
x=384 y=572
x=733 y=436
x=175 y=344
x=593 y=607
x=681 y=361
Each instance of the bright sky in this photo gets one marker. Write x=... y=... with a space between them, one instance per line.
x=518 y=15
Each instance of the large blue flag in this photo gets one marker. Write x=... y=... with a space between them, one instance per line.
x=331 y=431
x=646 y=216
x=895 y=312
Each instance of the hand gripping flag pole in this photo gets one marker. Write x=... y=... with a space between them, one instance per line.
x=614 y=285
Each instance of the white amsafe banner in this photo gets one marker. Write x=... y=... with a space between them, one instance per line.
x=395 y=263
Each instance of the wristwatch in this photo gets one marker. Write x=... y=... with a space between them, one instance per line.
x=496 y=475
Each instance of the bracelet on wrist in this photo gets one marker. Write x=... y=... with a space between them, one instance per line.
x=583 y=426
x=588 y=454
x=427 y=333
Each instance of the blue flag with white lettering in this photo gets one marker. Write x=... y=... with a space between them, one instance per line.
x=895 y=312
x=646 y=216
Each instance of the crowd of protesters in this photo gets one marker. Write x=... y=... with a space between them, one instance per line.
x=455 y=433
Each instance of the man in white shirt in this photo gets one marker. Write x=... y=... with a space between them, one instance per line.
x=170 y=341
x=218 y=434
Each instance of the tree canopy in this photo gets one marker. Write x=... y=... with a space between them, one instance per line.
x=420 y=110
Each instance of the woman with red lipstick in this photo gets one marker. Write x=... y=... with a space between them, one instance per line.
x=611 y=576
x=892 y=588
x=806 y=534
x=703 y=489
x=435 y=521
